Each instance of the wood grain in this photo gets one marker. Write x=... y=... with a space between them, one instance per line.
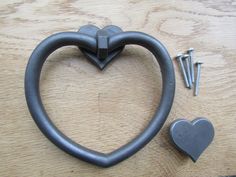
x=104 y=110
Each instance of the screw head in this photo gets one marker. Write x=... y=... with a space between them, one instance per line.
x=190 y=50
x=179 y=55
x=185 y=56
x=198 y=63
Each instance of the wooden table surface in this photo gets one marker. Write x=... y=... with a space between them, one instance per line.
x=104 y=110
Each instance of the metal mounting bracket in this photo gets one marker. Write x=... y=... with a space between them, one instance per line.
x=102 y=57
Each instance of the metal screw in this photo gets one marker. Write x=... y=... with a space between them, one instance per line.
x=190 y=53
x=179 y=58
x=198 y=64
x=187 y=66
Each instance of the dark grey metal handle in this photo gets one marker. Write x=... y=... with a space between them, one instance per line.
x=32 y=77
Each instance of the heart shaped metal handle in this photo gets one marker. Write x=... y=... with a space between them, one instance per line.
x=32 y=77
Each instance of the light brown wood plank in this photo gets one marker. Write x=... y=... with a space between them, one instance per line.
x=104 y=110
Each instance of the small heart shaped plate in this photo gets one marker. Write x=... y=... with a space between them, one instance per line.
x=193 y=137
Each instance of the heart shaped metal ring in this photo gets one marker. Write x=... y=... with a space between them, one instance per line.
x=36 y=108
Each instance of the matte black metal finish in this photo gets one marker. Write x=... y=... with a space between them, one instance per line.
x=102 y=36
x=192 y=138
x=89 y=43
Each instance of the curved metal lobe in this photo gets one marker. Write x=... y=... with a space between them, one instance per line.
x=32 y=76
